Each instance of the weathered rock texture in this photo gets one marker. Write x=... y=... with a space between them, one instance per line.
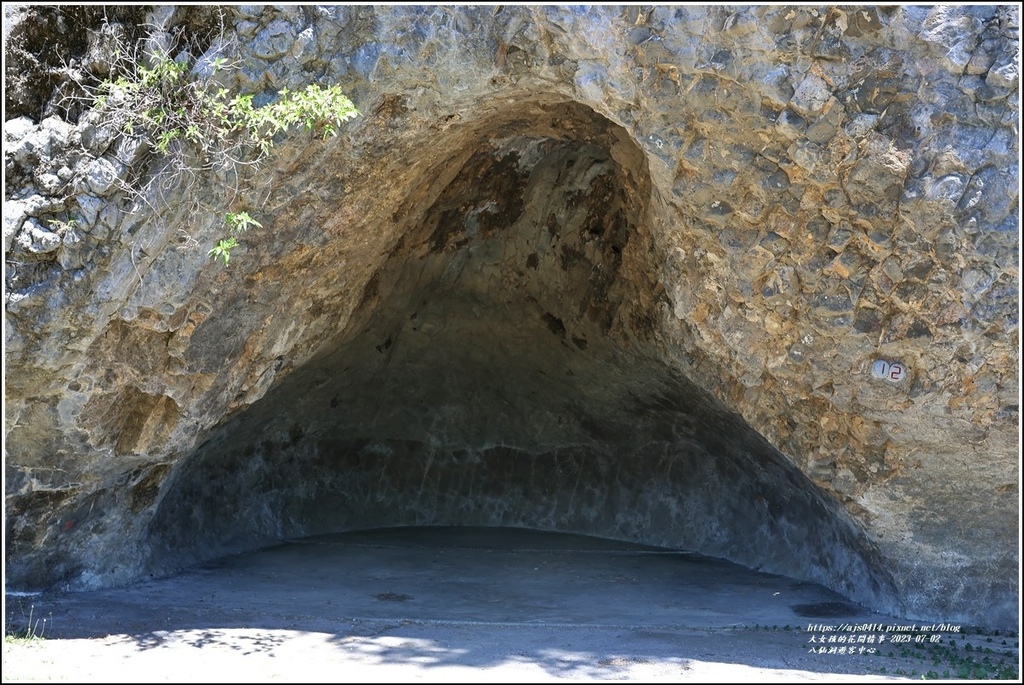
x=621 y=271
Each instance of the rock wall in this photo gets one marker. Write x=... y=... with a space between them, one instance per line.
x=741 y=280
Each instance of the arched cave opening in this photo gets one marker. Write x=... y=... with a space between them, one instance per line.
x=504 y=369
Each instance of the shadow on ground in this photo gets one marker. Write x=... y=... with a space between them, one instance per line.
x=466 y=603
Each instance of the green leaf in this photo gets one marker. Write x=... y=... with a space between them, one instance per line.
x=222 y=249
x=241 y=221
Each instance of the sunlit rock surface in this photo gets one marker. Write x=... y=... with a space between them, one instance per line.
x=616 y=271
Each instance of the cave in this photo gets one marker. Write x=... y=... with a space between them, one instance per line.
x=503 y=368
x=620 y=272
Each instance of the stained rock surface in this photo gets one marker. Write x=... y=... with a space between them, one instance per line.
x=737 y=280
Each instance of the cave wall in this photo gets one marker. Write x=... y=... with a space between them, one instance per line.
x=718 y=218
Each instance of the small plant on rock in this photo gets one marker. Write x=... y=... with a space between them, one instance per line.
x=181 y=114
x=35 y=630
x=62 y=227
x=238 y=222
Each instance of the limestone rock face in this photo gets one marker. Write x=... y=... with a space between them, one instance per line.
x=741 y=280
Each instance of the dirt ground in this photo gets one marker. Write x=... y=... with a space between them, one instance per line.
x=478 y=605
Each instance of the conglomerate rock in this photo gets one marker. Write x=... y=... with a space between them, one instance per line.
x=742 y=280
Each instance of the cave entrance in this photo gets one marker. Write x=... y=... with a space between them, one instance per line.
x=503 y=369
